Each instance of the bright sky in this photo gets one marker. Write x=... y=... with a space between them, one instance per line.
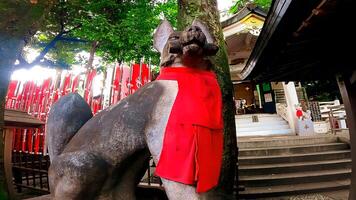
x=224 y=4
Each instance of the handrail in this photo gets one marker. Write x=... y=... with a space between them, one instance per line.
x=333 y=117
x=282 y=110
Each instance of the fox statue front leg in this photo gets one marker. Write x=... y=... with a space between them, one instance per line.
x=155 y=134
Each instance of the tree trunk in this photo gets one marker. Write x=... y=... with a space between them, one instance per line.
x=18 y=22
x=207 y=11
x=89 y=65
x=8 y=50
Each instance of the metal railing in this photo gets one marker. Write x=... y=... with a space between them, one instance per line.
x=150 y=179
x=336 y=116
x=30 y=172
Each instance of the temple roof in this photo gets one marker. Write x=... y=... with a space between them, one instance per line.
x=303 y=40
x=248 y=9
x=240 y=33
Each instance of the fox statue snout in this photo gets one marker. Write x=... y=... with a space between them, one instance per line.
x=192 y=42
x=190 y=47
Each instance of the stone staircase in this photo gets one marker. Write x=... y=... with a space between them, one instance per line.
x=261 y=124
x=290 y=165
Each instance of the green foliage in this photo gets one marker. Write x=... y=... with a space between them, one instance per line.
x=123 y=29
x=239 y=4
x=325 y=90
x=3 y=195
x=18 y=17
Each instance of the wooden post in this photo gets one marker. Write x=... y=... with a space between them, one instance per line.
x=8 y=162
x=347 y=86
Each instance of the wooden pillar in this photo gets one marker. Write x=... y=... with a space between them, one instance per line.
x=8 y=162
x=347 y=86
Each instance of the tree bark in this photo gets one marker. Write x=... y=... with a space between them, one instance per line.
x=89 y=65
x=206 y=11
x=18 y=22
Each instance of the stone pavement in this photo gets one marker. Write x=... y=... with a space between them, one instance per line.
x=335 y=195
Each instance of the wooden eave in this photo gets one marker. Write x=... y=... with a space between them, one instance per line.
x=249 y=9
x=20 y=119
x=303 y=40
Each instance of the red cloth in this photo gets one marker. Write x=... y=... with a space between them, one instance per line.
x=299 y=113
x=193 y=141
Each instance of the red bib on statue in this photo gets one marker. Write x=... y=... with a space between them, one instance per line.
x=193 y=141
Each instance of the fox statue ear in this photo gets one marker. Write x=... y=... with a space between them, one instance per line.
x=204 y=28
x=210 y=48
x=160 y=38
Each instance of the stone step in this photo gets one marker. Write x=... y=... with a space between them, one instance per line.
x=261 y=115
x=286 y=190
x=265 y=132
x=288 y=150
x=262 y=119
x=279 y=168
x=300 y=157
x=294 y=178
x=256 y=124
x=261 y=142
x=262 y=128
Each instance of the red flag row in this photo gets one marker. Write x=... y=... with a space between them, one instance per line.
x=37 y=98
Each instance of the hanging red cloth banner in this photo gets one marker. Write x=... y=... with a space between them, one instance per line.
x=145 y=74
x=75 y=83
x=35 y=101
x=18 y=97
x=139 y=76
x=24 y=95
x=11 y=94
x=56 y=93
x=116 y=85
x=29 y=139
x=66 y=85
x=125 y=82
x=17 y=140
x=30 y=96
x=96 y=104
x=44 y=99
x=37 y=141
x=88 y=86
x=23 y=136
x=136 y=75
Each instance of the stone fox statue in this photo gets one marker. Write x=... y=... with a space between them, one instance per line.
x=103 y=157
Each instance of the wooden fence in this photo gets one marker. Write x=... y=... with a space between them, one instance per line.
x=30 y=160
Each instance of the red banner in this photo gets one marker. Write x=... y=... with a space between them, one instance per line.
x=36 y=99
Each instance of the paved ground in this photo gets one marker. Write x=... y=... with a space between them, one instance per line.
x=337 y=195
x=45 y=197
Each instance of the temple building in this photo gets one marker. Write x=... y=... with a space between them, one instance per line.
x=276 y=101
x=288 y=152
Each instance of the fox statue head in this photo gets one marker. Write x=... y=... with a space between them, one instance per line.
x=190 y=47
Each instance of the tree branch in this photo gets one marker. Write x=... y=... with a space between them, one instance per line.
x=65 y=39
x=94 y=45
x=75 y=27
x=41 y=60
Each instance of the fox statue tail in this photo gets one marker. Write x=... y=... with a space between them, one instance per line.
x=65 y=118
